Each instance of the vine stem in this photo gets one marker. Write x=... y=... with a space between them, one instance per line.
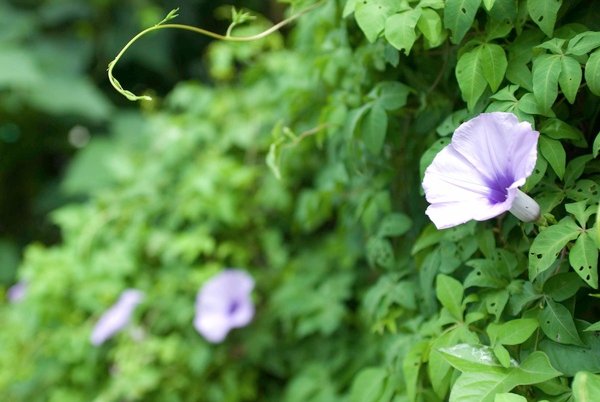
x=227 y=37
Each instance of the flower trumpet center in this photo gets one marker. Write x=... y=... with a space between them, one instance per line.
x=499 y=189
x=233 y=307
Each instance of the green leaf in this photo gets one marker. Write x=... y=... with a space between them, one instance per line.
x=583 y=257
x=580 y=211
x=430 y=25
x=374 y=128
x=488 y=4
x=392 y=94
x=559 y=130
x=459 y=16
x=411 y=364
x=482 y=385
x=438 y=368
x=513 y=332
x=368 y=385
x=554 y=153
x=549 y=243
x=493 y=64
x=596 y=146
x=469 y=74
x=569 y=359
x=557 y=323
x=450 y=293
x=546 y=70
x=592 y=73
x=583 y=43
x=508 y=397
x=570 y=78
x=502 y=355
x=400 y=29
x=380 y=252
x=563 y=286
x=371 y=15
x=586 y=387
x=394 y=225
x=472 y=358
x=543 y=13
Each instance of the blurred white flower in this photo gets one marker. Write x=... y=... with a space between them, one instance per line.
x=224 y=303
x=16 y=292
x=117 y=317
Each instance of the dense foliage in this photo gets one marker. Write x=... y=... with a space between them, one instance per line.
x=301 y=163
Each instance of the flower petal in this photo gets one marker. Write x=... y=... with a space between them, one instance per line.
x=116 y=317
x=500 y=147
x=223 y=303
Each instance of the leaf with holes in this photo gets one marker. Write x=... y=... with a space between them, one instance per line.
x=543 y=13
x=583 y=257
x=557 y=323
x=570 y=78
x=459 y=16
x=554 y=153
x=592 y=72
x=400 y=29
x=546 y=70
x=371 y=15
x=548 y=243
x=469 y=74
x=493 y=64
x=569 y=359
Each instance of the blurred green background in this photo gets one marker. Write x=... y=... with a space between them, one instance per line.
x=55 y=97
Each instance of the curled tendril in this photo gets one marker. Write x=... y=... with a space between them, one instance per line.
x=163 y=24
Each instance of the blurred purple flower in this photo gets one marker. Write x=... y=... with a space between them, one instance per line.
x=16 y=292
x=478 y=174
x=116 y=317
x=224 y=303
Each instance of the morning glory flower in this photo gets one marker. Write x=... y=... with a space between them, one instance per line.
x=117 y=317
x=16 y=292
x=478 y=175
x=224 y=303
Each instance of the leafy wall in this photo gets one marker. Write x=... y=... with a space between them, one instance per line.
x=302 y=164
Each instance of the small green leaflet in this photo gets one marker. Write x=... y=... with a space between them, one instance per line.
x=470 y=77
x=459 y=16
x=586 y=387
x=592 y=72
x=493 y=64
x=400 y=29
x=554 y=153
x=557 y=323
x=583 y=43
x=546 y=70
x=548 y=244
x=368 y=385
x=371 y=16
x=570 y=78
x=450 y=292
x=543 y=13
x=583 y=257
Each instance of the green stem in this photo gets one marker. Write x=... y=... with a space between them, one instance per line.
x=161 y=25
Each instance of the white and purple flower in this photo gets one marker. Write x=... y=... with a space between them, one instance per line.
x=478 y=175
x=116 y=317
x=224 y=303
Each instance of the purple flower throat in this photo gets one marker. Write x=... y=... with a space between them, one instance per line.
x=499 y=188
